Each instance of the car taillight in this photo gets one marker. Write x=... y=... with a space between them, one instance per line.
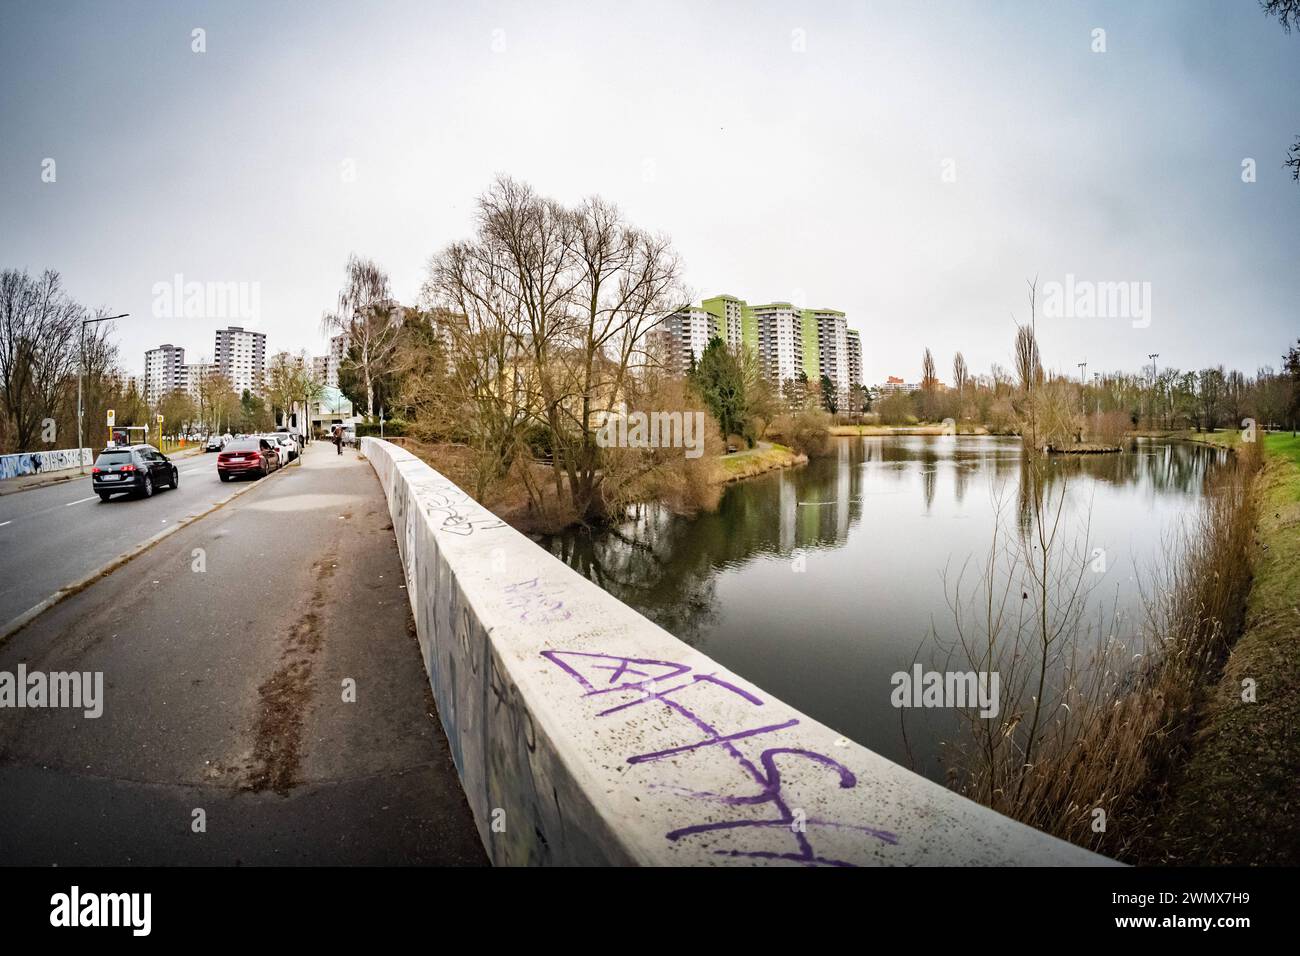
x=128 y=467
x=94 y=470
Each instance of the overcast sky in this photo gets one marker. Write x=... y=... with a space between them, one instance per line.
x=792 y=151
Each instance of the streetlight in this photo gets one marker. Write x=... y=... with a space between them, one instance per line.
x=1153 y=356
x=80 y=374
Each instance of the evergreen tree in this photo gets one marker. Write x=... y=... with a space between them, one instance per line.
x=721 y=384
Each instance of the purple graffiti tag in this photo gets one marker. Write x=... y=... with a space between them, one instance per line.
x=572 y=662
x=620 y=670
x=580 y=666
x=536 y=603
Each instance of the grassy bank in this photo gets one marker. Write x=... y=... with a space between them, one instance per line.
x=765 y=457
x=1235 y=801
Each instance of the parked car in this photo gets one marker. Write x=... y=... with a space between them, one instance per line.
x=215 y=443
x=131 y=469
x=248 y=456
x=288 y=447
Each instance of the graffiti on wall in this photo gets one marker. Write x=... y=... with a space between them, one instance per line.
x=452 y=510
x=665 y=683
x=36 y=462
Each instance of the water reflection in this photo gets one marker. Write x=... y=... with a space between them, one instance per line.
x=819 y=583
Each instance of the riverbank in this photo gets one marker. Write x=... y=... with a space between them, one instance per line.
x=765 y=457
x=509 y=500
x=885 y=431
x=1235 y=800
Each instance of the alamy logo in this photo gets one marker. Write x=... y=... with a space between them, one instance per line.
x=75 y=908
x=1084 y=299
x=959 y=689
x=179 y=299
x=76 y=689
x=624 y=429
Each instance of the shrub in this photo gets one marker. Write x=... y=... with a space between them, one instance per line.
x=806 y=430
x=393 y=427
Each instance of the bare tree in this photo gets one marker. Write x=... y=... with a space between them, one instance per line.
x=1286 y=11
x=547 y=316
x=282 y=382
x=929 y=385
x=39 y=352
x=368 y=318
x=960 y=378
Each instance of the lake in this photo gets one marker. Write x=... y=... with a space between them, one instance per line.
x=818 y=583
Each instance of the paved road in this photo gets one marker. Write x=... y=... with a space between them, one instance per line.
x=53 y=536
x=223 y=692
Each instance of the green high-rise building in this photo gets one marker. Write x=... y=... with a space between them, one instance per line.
x=789 y=339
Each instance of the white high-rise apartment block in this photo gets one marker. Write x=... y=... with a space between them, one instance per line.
x=320 y=368
x=163 y=371
x=855 y=357
x=328 y=365
x=685 y=335
x=193 y=375
x=780 y=340
x=240 y=355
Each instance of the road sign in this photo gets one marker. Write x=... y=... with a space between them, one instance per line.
x=110 y=418
x=160 y=418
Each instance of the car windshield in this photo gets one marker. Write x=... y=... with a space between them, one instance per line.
x=244 y=444
x=113 y=458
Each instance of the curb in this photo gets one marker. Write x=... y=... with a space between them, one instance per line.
x=12 y=627
x=42 y=484
x=60 y=479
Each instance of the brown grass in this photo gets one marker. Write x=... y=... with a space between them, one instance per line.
x=1086 y=743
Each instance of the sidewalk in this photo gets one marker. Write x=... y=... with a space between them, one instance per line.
x=276 y=686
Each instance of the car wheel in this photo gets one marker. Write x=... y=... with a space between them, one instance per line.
x=176 y=478
x=148 y=487
x=104 y=496
x=223 y=476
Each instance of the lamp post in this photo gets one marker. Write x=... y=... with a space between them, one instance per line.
x=81 y=374
x=1154 y=376
x=1083 y=384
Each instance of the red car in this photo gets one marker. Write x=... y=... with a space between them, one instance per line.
x=248 y=456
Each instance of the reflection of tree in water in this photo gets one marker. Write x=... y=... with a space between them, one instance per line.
x=962 y=471
x=647 y=564
x=1164 y=467
x=666 y=566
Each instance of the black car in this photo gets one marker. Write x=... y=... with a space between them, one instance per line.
x=132 y=469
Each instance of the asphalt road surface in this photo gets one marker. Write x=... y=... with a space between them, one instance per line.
x=224 y=693
x=53 y=536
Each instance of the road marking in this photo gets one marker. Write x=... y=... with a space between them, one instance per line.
x=3 y=523
x=80 y=501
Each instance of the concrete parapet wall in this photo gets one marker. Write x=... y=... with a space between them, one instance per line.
x=586 y=734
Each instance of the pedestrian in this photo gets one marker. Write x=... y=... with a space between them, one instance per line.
x=338 y=439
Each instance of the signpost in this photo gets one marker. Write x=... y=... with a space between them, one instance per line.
x=111 y=417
